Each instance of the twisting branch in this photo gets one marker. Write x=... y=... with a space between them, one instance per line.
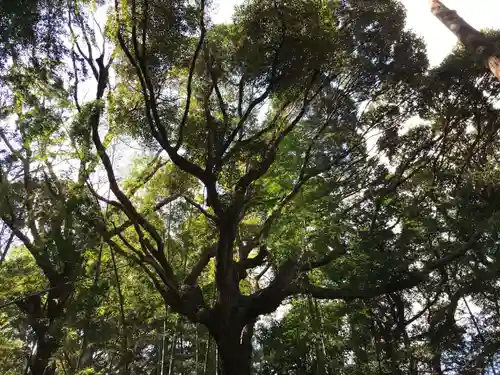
x=273 y=79
x=401 y=279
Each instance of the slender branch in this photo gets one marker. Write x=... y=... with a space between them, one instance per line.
x=338 y=250
x=154 y=121
x=262 y=273
x=129 y=223
x=256 y=173
x=272 y=82
x=191 y=74
x=9 y=146
x=220 y=99
x=201 y=209
x=147 y=174
x=157 y=129
x=88 y=58
x=6 y=248
x=104 y=199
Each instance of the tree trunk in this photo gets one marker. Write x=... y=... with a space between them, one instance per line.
x=39 y=363
x=46 y=328
x=436 y=362
x=233 y=359
x=235 y=351
x=472 y=39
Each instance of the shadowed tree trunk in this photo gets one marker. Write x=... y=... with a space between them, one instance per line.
x=472 y=39
x=235 y=351
x=45 y=320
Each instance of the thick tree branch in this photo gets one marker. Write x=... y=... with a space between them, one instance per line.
x=203 y=260
x=40 y=257
x=256 y=261
x=288 y=282
x=267 y=300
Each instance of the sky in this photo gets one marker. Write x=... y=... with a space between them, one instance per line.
x=440 y=41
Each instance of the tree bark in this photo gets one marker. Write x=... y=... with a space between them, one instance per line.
x=45 y=321
x=436 y=364
x=472 y=39
x=39 y=363
x=235 y=351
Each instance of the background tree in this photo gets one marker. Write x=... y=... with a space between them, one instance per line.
x=475 y=41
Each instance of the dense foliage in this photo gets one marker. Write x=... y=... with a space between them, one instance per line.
x=296 y=192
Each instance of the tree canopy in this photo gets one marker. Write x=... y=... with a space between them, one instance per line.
x=294 y=192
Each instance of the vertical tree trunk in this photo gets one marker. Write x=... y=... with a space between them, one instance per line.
x=196 y=354
x=125 y=355
x=436 y=364
x=235 y=350
x=39 y=363
x=46 y=326
x=233 y=357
